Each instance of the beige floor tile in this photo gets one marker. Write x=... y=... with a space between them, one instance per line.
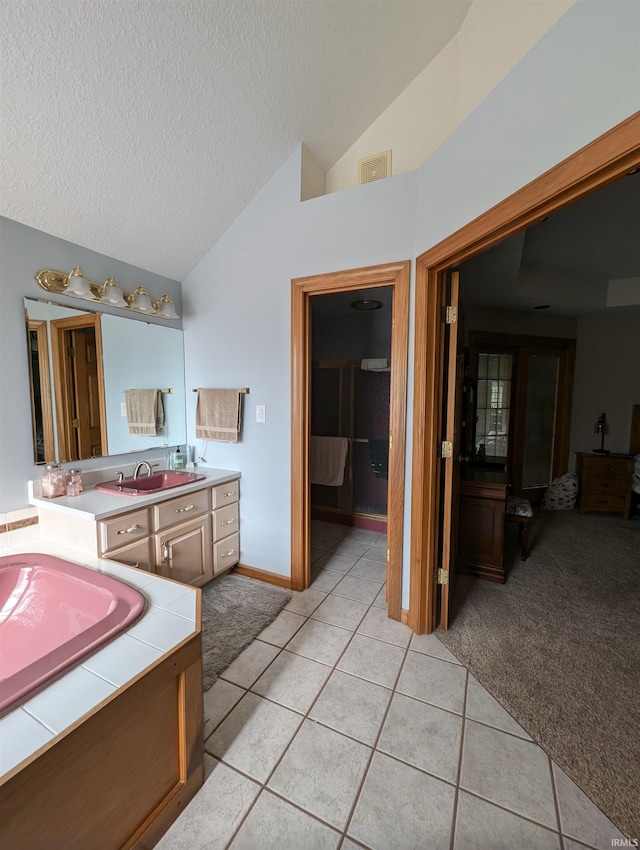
x=218 y=701
x=481 y=706
x=580 y=818
x=283 y=628
x=274 y=824
x=305 y=602
x=424 y=736
x=509 y=771
x=356 y=588
x=480 y=825
x=378 y=625
x=372 y=570
x=372 y=660
x=400 y=807
x=325 y=580
x=352 y=706
x=433 y=681
x=250 y=664
x=430 y=645
x=333 y=561
x=320 y=641
x=338 y=611
x=292 y=681
x=254 y=735
x=381 y=599
x=321 y=772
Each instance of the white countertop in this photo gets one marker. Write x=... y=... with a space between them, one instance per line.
x=169 y=618
x=99 y=504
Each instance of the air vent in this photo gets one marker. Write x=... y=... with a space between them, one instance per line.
x=375 y=167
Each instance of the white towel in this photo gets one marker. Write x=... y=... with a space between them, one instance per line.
x=375 y=364
x=328 y=456
x=145 y=414
x=218 y=415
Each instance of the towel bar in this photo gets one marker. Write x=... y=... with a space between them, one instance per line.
x=242 y=390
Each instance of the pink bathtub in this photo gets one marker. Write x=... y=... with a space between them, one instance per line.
x=53 y=613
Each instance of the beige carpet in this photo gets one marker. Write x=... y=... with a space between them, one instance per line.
x=558 y=646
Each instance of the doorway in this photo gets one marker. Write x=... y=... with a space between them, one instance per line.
x=79 y=387
x=303 y=290
x=598 y=164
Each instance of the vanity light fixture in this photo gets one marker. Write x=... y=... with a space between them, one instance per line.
x=76 y=285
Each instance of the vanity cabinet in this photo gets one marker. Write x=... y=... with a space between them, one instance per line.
x=184 y=553
x=225 y=525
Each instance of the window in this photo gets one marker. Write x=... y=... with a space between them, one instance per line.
x=493 y=403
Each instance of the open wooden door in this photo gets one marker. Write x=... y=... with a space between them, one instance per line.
x=454 y=375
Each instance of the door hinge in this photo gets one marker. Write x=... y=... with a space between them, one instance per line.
x=75 y=423
x=388 y=555
x=390 y=441
x=446 y=448
x=71 y=351
x=443 y=576
x=450 y=315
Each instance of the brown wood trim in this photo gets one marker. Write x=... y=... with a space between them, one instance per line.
x=262 y=575
x=39 y=326
x=391 y=274
x=598 y=164
x=404 y=616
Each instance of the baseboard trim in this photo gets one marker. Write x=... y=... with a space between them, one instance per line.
x=263 y=575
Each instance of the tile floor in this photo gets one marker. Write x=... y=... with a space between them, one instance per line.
x=338 y=728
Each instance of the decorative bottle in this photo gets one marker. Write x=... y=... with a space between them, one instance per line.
x=54 y=481
x=75 y=484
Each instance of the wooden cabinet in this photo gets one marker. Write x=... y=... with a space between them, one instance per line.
x=605 y=483
x=189 y=538
x=481 y=526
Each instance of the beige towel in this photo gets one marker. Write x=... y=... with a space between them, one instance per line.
x=328 y=456
x=218 y=415
x=145 y=414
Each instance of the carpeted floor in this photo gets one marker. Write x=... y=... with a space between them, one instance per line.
x=558 y=647
x=235 y=610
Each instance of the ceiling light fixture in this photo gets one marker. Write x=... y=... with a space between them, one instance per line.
x=109 y=293
x=367 y=304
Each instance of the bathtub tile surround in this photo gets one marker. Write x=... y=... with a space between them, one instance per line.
x=40 y=719
x=396 y=745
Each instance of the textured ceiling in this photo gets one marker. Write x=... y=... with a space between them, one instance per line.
x=142 y=128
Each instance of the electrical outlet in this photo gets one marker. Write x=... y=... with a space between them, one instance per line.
x=261 y=413
x=123 y=408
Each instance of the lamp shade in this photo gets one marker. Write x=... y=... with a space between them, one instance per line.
x=78 y=284
x=112 y=294
x=167 y=309
x=142 y=301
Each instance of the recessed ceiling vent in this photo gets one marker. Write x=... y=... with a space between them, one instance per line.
x=375 y=167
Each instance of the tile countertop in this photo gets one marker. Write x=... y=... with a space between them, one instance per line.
x=98 y=504
x=169 y=618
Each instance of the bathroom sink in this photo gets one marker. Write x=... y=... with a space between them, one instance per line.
x=147 y=484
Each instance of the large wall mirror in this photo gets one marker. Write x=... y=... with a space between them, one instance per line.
x=80 y=364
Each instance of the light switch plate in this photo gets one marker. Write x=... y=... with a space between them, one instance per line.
x=123 y=408
x=261 y=413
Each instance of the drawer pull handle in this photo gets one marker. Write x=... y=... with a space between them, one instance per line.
x=229 y=553
x=230 y=493
x=184 y=510
x=228 y=522
x=128 y=530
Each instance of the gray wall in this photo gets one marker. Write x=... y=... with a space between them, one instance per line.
x=24 y=252
x=558 y=99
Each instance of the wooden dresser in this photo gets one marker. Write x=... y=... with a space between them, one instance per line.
x=605 y=482
x=483 y=497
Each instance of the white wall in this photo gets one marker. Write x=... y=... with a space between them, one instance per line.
x=237 y=316
x=607 y=379
x=24 y=252
x=495 y=35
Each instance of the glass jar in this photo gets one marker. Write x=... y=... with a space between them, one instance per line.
x=75 y=484
x=54 y=481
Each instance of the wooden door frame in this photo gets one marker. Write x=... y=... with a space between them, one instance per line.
x=598 y=164
x=40 y=328
x=63 y=382
x=302 y=289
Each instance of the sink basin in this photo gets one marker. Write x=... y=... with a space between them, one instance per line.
x=147 y=484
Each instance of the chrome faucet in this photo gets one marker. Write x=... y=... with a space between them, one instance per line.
x=136 y=471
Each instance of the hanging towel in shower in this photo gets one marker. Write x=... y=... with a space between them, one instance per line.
x=379 y=457
x=145 y=414
x=328 y=456
x=218 y=415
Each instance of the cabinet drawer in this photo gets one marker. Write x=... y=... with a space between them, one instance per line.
x=136 y=555
x=226 y=553
x=608 y=467
x=224 y=494
x=118 y=531
x=607 y=486
x=604 y=503
x=225 y=521
x=180 y=509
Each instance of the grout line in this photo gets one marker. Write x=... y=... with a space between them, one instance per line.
x=456 y=794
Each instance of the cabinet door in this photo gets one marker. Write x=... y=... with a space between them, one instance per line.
x=184 y=553
x=138 y=555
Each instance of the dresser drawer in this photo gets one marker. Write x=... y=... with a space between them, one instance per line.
x=225 y=521
x=604 y=503
x=618 y=468
x=225 y=494
x=180 y=509
x=138 y=555
x=226 y=553
x=119 y=531
x=607 y=486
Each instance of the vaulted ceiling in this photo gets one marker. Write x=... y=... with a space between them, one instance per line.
x=142 y=128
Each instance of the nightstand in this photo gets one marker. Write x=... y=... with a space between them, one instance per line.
x=605 y=482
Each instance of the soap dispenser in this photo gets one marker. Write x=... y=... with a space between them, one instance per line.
x=179 y=459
